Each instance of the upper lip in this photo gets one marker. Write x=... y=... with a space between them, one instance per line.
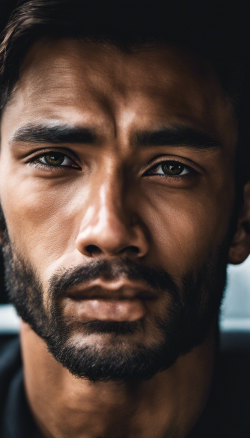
x=111 y=290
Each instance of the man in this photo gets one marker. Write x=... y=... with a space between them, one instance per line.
x=122 y=172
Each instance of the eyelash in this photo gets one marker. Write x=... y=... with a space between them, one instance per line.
x=36 y=160
x=189 y=171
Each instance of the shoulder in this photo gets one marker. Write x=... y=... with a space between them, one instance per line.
x=227 y=414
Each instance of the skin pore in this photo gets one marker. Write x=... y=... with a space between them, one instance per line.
x=124 y=184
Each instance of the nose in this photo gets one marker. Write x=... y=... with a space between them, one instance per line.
x=107 y=230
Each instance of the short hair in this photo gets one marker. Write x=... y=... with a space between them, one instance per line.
x=215 y=30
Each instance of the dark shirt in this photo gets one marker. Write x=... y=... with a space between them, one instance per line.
x=15 y=417
x=227 y=414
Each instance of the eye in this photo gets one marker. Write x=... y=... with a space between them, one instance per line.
x=171 y=168
x=54 y=160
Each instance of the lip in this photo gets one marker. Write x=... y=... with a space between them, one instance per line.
x=111 y=290
x=119 y=300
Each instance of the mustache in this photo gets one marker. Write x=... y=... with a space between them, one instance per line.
x=154 y=277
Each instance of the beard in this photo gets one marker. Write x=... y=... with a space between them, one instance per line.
x=184 y=324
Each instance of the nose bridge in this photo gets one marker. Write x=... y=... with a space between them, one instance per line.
x=109 y=204
x=110 y=209
x=107 y=226
x=108 y=197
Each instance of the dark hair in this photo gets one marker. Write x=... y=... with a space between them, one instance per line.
x=217 y=30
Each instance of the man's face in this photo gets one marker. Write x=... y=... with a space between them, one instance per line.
x=117 y=188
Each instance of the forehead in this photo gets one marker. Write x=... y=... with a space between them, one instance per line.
x=147 y=85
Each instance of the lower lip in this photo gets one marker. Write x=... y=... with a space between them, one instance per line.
x=105 y=310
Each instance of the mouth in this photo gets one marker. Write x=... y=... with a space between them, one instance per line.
x=101 y=300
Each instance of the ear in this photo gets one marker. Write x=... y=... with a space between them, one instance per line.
x=240 y=245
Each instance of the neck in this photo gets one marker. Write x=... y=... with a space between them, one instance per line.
x=169 y=404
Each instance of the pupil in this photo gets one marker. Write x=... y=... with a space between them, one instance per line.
x=172 y=168
x=54 y=159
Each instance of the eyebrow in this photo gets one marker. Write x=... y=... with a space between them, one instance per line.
x=177 y=136
x=31 y=133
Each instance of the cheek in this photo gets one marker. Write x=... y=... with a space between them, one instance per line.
x=185 y=227
x=43 y=219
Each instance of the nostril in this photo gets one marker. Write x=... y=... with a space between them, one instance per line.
x=93 y=250
x=132 y=250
